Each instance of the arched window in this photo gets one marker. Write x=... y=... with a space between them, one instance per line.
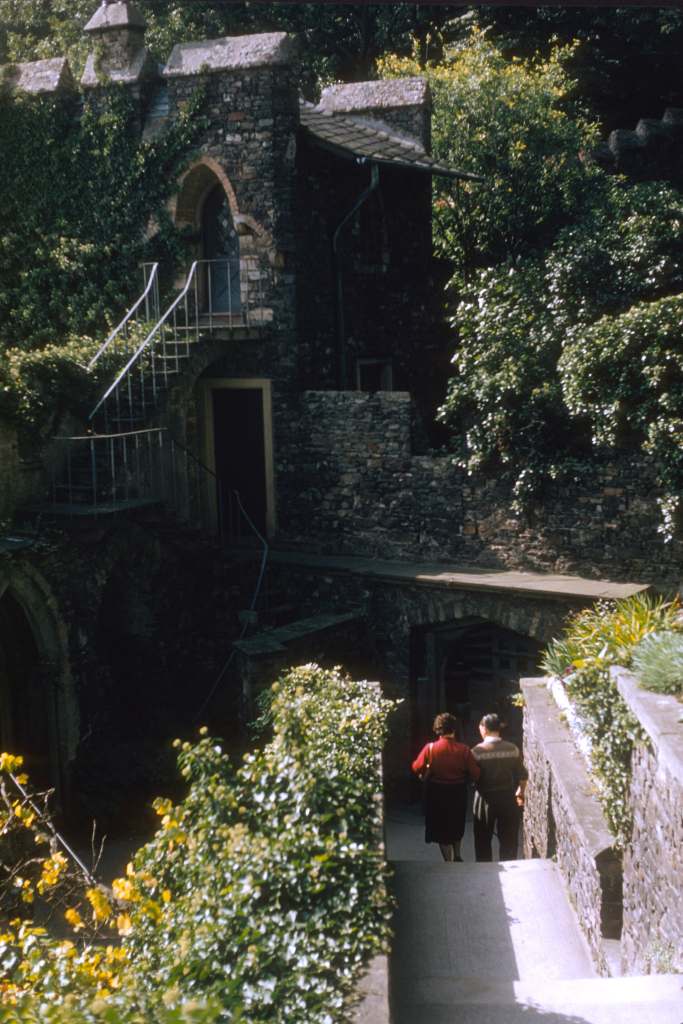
x=221 y=252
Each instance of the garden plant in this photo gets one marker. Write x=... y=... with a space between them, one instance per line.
x=597 y=638
x=261 y=897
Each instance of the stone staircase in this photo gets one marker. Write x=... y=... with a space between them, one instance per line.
x=500 y=944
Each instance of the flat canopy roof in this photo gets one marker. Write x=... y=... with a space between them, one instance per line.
x=571 y=588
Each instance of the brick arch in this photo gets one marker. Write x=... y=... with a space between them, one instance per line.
x=28 y=589
x=536 y=618
x=193 y=188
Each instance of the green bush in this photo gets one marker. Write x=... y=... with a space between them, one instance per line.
x=595 y=639
x=658 y=663
x=263 y=893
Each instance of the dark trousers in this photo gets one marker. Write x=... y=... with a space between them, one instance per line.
x=500 y=816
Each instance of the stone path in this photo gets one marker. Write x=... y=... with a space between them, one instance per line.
x=499 y=944
x=463 y=577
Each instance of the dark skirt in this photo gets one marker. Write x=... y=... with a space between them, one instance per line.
x=445 y=804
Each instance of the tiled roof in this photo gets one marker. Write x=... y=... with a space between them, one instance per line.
x=355 y=138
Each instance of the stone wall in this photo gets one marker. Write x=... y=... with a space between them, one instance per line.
x=20 y=478
x=563 y=819
x=652 y=940
x=351 y=483
x=395 y=613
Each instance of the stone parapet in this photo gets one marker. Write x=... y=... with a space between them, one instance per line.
x=231 y=53
x=563 y=819
x=652 y=940
x=38 y=76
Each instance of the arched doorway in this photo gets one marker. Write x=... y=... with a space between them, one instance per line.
x=26 y=698
x=221 y=250
x=470 y=668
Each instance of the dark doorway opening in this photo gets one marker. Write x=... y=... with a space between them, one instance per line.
x=470 y=669
x=24 y=694
x=240 y=457
x=222 y=252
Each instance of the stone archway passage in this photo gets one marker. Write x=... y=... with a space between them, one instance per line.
x=25 y=703
x=480 y=673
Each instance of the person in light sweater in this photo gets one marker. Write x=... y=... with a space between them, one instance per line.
x=499 y=796
x=447 y=765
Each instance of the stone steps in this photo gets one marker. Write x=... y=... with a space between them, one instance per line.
x=657 y=999
x=500 y=944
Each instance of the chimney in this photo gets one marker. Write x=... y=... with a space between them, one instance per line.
x=119 y=55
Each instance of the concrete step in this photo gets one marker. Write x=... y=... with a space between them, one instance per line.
x=657 y=999
x=508 y=921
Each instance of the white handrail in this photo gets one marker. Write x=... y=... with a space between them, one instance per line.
x=141 y=348
x=129 y=314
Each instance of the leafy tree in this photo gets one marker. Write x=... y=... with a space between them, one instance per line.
x=513 y=123
x=575 y=348
x=627 y=63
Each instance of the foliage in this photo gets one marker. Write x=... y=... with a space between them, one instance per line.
x=37 y=387
x=338 y=40
x=78 y=192
x=627 y=64
x=513 y=123
x=658 y=663
x=564 y=353
x=595 y=639
x=566 y=280
x=263 y=893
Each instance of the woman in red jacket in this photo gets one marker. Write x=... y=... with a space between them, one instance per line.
x=448 y=763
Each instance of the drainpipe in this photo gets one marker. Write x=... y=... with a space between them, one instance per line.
x=342 y=368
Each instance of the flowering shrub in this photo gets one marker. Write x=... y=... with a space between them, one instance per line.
x=261 y=897
x=595 y=639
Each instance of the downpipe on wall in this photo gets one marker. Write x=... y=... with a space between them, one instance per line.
x=342 y=362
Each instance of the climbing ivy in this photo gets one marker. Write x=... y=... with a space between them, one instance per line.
x=596 y=639
x=78 y=192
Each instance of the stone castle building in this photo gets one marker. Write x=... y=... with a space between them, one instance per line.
x=298 y=363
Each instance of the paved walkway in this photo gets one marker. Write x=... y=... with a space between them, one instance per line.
x=499 y=944
x=459 y=577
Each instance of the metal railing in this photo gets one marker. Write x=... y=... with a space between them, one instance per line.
x=216 y=295
x=103 y=473
x=148 y=302
x=127 y=461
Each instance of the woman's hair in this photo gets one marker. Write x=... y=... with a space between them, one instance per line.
x=445 y=723
x=491 y=722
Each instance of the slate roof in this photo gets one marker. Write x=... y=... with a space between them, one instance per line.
x=354 y=138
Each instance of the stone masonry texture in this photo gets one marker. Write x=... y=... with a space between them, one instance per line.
x=562 y=819
x=652 y=941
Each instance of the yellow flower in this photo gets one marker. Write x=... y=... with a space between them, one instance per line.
x=101 y=906
x=166 y=895
x=124 y=889
x=74 y=919
x=51 y=871
x=10 y=762
x=124 y=925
